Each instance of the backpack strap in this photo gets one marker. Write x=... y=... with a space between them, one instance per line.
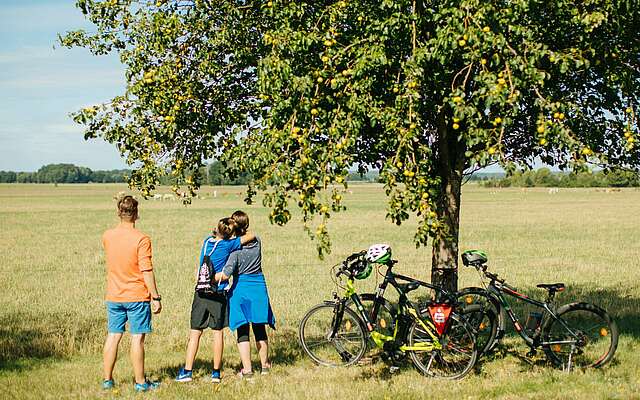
x=215 y=244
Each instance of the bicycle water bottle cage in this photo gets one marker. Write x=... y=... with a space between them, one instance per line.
x=474 y=258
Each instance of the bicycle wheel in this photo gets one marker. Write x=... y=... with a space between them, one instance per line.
x=489 y=322
x=457 y=356
x=596 y=336
x=348 y=345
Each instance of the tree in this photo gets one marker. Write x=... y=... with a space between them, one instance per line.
x=297 y=92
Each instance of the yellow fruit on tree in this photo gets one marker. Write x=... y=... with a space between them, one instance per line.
x=543 y=141
x=314 y=111
x=540 y=129
x=492 y=150
x=455 y=126
x=462 y=42
x=399 y=164
x=498 y=120
x=627 y=134
x=501 y=81
x=486 y=29
x=483 y=61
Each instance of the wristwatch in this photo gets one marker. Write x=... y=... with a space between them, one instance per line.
x=159 y=298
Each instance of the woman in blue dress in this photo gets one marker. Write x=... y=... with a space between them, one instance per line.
x=248 y=298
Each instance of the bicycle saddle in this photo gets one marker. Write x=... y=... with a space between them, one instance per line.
x=555 y=287
x=407 y=287
x=474 y=257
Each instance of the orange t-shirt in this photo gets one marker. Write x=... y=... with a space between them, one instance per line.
x=128 y=254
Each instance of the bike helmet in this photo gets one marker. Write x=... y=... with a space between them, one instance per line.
x=365 y=270
x=379 y=253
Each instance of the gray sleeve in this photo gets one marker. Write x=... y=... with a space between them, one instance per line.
x=232 y=264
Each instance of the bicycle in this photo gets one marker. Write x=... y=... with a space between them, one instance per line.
x=439 y=342
x=577 y=334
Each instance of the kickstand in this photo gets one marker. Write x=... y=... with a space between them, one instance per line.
x=570 y=360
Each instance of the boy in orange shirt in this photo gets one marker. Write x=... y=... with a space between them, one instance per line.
x=132 y=293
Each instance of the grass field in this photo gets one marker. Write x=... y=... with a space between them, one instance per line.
x=53 y=323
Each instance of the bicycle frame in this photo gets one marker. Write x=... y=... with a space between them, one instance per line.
x=405 y=308
x=499 y=290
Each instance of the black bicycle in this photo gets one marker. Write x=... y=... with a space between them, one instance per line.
x=578 y=334
x=439 y=341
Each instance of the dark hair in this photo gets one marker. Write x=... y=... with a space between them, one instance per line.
x=226 y=227
x=242 y=222
x=128 y=208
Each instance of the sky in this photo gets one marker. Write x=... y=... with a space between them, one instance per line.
x=40 y=85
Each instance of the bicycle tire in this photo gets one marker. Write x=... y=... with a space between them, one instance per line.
x=459 y=335
x=575 y=315
x=491 y=323
x=314 y=331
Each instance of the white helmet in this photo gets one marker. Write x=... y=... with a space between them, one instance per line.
x=379 y=253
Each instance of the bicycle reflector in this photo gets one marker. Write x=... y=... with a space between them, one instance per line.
x=440 y=315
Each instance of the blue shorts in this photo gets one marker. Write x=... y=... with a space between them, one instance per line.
x=138 y=314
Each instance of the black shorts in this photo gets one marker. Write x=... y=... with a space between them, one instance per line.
x=209 y=311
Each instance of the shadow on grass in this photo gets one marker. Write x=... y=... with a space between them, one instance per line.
x=284 y=349
x=27 y=339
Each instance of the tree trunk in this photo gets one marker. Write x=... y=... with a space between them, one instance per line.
x=450 y=164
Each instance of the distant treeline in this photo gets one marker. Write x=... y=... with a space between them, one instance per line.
x=64 y=173
x=214 y=174
x=544 y=177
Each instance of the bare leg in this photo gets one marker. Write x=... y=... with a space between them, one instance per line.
x=218 y=347
x=110 y=354
x=263 y=351
x=137 y=357
x=192 y=348
x=244 y=348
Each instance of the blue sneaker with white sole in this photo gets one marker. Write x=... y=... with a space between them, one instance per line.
x=184 y=375
x=108 y=384
x=145 y=387
x=216 y=377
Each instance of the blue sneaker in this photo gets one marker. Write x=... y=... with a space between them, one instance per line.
x=215 y=376
x=108 y=384
x=145 y=387
x=184 y=375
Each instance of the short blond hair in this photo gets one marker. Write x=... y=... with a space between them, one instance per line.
x=128 y=208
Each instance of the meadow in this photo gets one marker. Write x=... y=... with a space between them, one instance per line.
x=52 y=278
